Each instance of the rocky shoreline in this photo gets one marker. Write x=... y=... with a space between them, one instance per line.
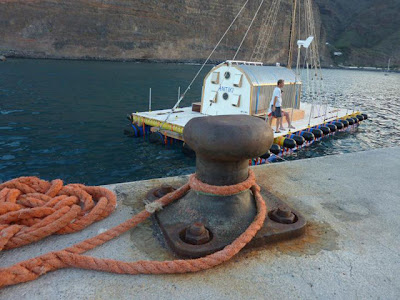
x=31 y=55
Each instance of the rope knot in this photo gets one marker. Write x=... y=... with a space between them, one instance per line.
x=152 y=207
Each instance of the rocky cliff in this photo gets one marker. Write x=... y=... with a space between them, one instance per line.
x=181 y=30
x=367 y=32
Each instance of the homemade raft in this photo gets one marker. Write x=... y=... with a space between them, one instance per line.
x=245 y=88
x=240 y=87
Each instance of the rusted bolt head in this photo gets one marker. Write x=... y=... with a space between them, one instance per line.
x=283 y=215
x=284 y=212
x=197 y=234
x=159 y=192
x=197 y=229
x=163 y=190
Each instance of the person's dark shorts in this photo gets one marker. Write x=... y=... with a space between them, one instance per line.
x=277 y=113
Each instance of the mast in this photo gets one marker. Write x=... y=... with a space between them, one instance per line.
x=292 y=35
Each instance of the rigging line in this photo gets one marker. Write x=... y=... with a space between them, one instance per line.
x=312 y=93
x=313 y=59
x=271 y=26
x=296 y=83
x=317 y=65
x=292 y=35
x=297 y=94
x=265 y=32
x=208 y=58
x=274 y=17
x=307 y=73
x=309 y=60
x=299 y=24
x=324 y=94
x=248 y=29
x=307 y=57
x=298 y=64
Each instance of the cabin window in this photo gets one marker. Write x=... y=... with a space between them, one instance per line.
x=215 y=77
x=225 y=96
x=227 y=75
x=213 y=97
x=238 y=80
x=236 y=100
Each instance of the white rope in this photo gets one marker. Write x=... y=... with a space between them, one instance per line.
x=208 y=58
x=248 y=29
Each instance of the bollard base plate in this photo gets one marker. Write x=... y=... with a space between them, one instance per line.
x=226 y=219
x=273 y=231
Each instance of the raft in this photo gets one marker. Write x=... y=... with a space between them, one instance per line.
x=237 y=87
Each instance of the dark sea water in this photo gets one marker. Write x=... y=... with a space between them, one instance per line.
x=65 y=119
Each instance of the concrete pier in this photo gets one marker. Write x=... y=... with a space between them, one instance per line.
x=351 y=248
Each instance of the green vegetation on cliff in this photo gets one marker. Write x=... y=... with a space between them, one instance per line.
x=367 y=32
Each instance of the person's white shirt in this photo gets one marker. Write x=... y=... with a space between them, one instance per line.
x=277 y=93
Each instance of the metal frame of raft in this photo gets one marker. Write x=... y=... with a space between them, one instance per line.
x=284 y=145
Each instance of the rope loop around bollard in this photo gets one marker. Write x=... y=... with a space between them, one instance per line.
x=225 y=190
x=72 y=256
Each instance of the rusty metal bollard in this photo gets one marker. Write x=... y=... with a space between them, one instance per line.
x=223 y=146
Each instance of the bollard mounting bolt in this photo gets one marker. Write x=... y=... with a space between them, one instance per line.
x=283 y=215
x=163 y=190
x=159 y=192
x=196 y=234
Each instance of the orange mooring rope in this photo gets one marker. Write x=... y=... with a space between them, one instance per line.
x=47 y=200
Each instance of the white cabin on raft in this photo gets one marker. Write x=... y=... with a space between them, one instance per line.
x=238 y=87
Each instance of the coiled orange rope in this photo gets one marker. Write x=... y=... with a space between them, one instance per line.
x=32 y=209
x=31 y=269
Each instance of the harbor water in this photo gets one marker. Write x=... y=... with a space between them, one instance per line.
x=65 y=119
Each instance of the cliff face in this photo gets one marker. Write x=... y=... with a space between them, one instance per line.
x=183 y=30
x=367 y=32
x=172 y=30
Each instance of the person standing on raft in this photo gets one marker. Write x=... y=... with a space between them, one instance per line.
x=275 y=108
